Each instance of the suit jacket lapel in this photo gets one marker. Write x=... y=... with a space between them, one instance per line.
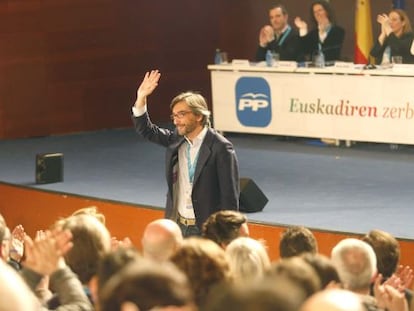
x=172 y=156
x=204 y=154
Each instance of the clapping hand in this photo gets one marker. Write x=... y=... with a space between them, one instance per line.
x=17 y=243
x=388 y=296
x=300 y=23
x=45 y=254
x=115 y=243
x=406 y=275
x=384 y=20
x=266 y=35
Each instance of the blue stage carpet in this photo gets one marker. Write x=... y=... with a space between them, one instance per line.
x=307 y=183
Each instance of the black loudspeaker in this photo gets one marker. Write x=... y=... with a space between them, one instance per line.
x=252 y=199
x=49 y=168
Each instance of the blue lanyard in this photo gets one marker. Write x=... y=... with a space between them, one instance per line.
x=191 y=166
x=285 y=34
x=328 y=30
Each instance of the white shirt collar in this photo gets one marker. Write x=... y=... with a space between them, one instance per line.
x=199 y=139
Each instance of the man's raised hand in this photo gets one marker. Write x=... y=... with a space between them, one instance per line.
x=148 y=85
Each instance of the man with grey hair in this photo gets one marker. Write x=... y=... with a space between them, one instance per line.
x=201 y=165
x=356 y=264
x=279 y=37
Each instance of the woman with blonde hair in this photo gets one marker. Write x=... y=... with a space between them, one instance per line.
x=395 y=39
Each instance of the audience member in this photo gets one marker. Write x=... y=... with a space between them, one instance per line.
x=204 y=263
x=147 y=285
x=15 y=294
x=324 y=36
x=395 y=39
x=17 y=246
x=268 y=294
x=224 y=226
x=11 y=244
x=356 y=264
x=296 y=240
x=298 y=271
x=92 y=211
x=44 y=258
x=324 y=267
x=91 y=241
x=4 y=240
x=109 y=265
x=333 y=300
x=387 y=251
x=248 y=259
x=279 y=37
x=161 y=238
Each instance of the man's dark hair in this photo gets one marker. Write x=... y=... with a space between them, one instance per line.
x=297 y=240
x=329 y=12
x=281 y=6
x=387 y=250
x=324 y=267
x=146 y=284
x=223 y=226
x=114 y=261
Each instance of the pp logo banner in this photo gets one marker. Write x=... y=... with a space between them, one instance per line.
x=253 y=102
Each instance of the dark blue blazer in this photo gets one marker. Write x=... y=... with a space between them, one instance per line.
x=216 y=178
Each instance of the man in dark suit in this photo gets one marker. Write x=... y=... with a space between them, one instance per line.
x=279 y=37
x=201 y=165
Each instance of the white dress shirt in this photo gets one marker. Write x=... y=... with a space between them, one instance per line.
x=184 y=186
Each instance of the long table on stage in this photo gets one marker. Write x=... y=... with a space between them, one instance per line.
x=340 y=102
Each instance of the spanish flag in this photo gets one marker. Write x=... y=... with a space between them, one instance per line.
x=363 y=32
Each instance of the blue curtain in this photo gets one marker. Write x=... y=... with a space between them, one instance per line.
x=398 y=4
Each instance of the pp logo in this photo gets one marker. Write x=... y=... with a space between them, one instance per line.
x=253 y=102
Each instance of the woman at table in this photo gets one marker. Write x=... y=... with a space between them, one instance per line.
x=395 y=39
x=325 y=35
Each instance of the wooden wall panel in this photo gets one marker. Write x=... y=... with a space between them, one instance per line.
x=44 y=208
x=73 y=65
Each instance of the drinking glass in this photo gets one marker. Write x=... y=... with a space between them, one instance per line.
x=396 y=59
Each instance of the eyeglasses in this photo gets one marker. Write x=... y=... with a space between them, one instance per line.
x=179 y=115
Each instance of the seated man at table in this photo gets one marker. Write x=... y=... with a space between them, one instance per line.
x=279 y=37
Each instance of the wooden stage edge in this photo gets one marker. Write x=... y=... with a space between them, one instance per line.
x=38 y=209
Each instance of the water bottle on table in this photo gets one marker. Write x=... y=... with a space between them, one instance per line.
x=217 y=57
x=269 y=58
